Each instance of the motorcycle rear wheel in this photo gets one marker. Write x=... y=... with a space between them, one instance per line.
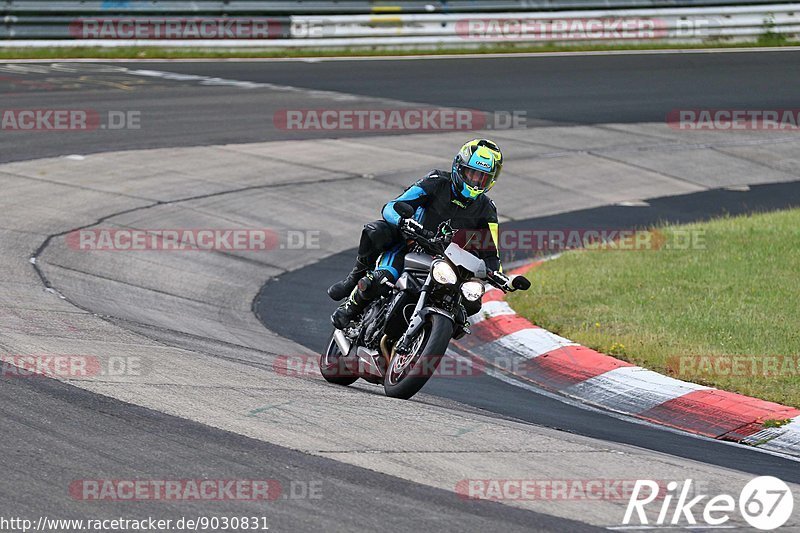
x=332 y=366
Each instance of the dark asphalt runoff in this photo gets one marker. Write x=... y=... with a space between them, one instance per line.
x=286 y=304
x=558 y=90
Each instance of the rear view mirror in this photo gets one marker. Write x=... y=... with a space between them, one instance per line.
x=521 y=283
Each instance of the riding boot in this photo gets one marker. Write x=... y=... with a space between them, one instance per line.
x=350 y=309
x=341 y=289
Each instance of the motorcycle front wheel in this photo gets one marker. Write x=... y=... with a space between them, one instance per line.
x=408 y=372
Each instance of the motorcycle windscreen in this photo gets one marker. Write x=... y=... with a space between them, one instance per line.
x=460 y=257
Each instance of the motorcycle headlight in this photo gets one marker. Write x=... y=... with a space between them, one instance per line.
x=443 y=273
x=472 y=290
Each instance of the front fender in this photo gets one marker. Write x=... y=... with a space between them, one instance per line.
x=431 y=309
x=419 y=320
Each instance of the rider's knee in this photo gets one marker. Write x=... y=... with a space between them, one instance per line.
x=381 y=234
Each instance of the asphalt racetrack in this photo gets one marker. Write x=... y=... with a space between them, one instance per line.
x=550 y=90
x=211 y=333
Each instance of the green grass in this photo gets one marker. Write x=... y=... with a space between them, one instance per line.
x=737 y=295
x=177 y=53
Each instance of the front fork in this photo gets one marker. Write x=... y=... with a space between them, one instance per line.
x=421 y=311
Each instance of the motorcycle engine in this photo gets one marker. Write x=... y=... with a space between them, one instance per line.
x=373 y=320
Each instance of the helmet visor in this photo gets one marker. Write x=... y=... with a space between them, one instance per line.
x=477 y=179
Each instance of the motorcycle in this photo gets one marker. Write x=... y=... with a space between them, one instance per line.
x=402 y=335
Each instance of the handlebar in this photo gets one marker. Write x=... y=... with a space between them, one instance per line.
x=499 y=280
x=410 y=225
x=508 y=283
x=414 y=230
x=437 y=244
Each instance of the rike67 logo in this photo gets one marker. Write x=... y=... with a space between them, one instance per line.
x=766 y=503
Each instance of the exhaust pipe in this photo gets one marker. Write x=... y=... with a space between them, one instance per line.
x=341 y=342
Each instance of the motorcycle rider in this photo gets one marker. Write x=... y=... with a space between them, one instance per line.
x=458 y=196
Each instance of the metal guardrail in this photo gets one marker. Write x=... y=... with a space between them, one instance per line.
x=705 y=23
x=674 y=24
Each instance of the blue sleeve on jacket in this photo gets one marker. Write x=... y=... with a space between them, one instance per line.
x=412 y=195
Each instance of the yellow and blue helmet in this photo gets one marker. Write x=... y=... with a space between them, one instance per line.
x=476 y=168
